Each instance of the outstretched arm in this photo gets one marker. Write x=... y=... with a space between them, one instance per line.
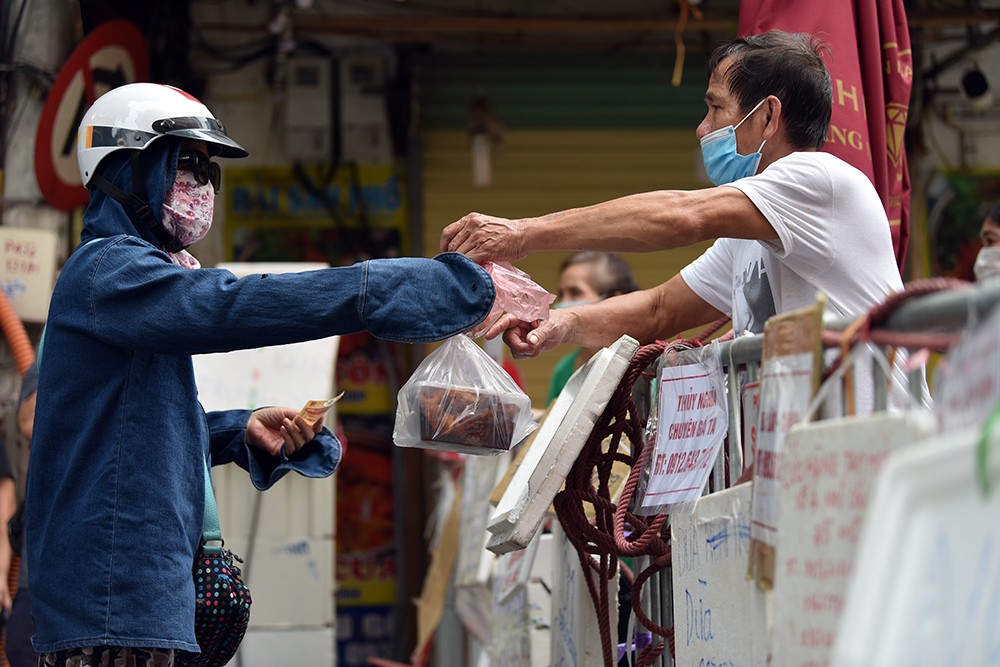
x=642 y=222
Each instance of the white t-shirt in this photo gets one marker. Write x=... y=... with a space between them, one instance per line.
x=833 y=237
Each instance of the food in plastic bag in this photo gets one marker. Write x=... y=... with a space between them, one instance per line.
x=460 y=400
x=517 y=294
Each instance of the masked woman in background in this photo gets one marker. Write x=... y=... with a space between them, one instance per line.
x=587 y=277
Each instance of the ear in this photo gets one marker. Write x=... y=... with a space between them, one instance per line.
x=772 y=116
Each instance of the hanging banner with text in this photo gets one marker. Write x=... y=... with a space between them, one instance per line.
x=871 y=66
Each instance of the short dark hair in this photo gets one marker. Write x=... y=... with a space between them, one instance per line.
x=610 y=274
x=994 y=212
x=788 y=66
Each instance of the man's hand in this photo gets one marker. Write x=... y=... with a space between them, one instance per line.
x=274 y=429
x=529 y=339
x=485 y=238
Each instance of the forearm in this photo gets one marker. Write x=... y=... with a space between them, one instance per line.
x=648 y=221
x=648 y=315
x=8 y=505
x=642 y=222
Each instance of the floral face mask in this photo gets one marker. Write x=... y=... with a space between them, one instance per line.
x=187 y=213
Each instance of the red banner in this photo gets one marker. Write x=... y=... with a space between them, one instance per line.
x=871 y=65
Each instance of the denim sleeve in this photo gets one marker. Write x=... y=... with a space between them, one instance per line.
x=227 y=441
x=137 y=299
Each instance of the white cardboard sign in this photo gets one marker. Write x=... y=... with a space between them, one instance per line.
x=576 y=636
x=828 y=469
x=558 y=442
x=511 y=645
x=719 y=615
x=473 y=594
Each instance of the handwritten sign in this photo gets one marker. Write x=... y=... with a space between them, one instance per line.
x=719 y=615
x=513 y=569
x=790 y=375
x=693 y=421
x=828 y=470
x=926 y=583
x=576 y=636
x=786 y=389
x=28 y=269
x=970 y=378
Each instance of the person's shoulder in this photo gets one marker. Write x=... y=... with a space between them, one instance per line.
x=816 y=171
x=836 y=167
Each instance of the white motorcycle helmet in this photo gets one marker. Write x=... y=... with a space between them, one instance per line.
x=135 y=115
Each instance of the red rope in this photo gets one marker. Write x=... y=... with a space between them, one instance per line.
x=615 y=532
x=872 y=329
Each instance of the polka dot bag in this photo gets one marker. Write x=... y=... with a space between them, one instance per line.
x=222 y=599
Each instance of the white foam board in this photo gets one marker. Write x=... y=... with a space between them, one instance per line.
x=560 y=438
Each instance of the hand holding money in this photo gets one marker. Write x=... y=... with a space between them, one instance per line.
x=314 y=411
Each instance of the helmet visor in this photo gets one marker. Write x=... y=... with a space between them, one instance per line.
x=209 y=130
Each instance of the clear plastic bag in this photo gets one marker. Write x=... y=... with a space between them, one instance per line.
x=517 y=294
x=460 y=400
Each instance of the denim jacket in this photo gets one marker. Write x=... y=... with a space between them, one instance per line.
x=115 y=492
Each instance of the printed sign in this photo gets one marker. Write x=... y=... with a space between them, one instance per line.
x=692 y=424
x=828 y=470
x=719 y=614
x=111 y=55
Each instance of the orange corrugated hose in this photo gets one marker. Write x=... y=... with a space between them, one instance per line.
x=24 y=356
x=17 y=337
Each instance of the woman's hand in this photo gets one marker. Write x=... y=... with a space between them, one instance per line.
x=278 y=429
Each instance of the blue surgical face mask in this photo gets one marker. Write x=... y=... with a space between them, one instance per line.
x=718 y=151
x=570 y=304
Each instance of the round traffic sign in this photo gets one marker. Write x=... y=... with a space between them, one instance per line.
x=111 y=55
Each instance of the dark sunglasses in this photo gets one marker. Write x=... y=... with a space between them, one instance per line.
x=205 y=171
